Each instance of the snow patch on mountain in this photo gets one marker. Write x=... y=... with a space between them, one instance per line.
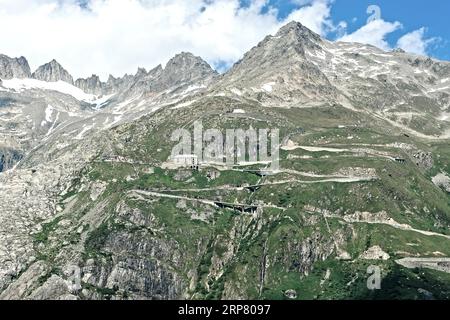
x=59 y=86
x=236 y=91
x=48 y=113
x=268 y=87
x=102 y=101
x=53 y=125
x=193 y=88
x=85 y=129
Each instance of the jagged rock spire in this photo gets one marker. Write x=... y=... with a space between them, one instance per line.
x=14 y=67
x=52 y=72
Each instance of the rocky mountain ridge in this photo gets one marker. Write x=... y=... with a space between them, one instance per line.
x=14 y=67
x=52 y=72
x=182 y=68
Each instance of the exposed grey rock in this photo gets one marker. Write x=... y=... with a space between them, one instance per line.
x=295 y=31
x=91 y=85
x=14 y=67
x=141 y=73
x=55 y=288
x=117 y=84
x=398 y=50
x=183 y=72
x=8 y=158
x=52 y=72
x=28 y=281
x=442 y=180
x=185 y=68
x=290 y=294
x=279 y=69
x=143 y=81
x=427 y=294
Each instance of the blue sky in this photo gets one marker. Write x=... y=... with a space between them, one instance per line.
x=412 y=14
x=118 y=36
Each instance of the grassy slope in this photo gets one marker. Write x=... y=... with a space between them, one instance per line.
x=403 y=190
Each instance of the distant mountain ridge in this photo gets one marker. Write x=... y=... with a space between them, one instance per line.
x=14 y=67
x=182 y=68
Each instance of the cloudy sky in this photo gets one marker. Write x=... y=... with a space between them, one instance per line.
x=116 y=36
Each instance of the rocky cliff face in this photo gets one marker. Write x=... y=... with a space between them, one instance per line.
x=14 y=67
x=52 y=72
x=91 y=85
x=143 y=81
x=183 y=72
x=8 y=158
x=280 y=67
x=186 y=68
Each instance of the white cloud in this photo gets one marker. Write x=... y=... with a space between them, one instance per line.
x=117 y=36
x=316 y=16
x=301 y=2
x=376 y=30
x=374 y=33
x=415 y=42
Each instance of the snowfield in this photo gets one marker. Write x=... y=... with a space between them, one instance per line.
x=60 y=86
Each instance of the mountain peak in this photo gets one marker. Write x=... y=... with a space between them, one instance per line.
x=141 y=72
x=290 y=26
x=91 y=85
x=187 y=60
x=283 y=62
x=398 y=50
x=299 y=31
x=288 y=46
x=111 y=78
x=14 y=67
x=185 y=54
x=185 y=67
x=52 y=72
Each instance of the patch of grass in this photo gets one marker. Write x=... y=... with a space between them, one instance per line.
x=47 y=229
